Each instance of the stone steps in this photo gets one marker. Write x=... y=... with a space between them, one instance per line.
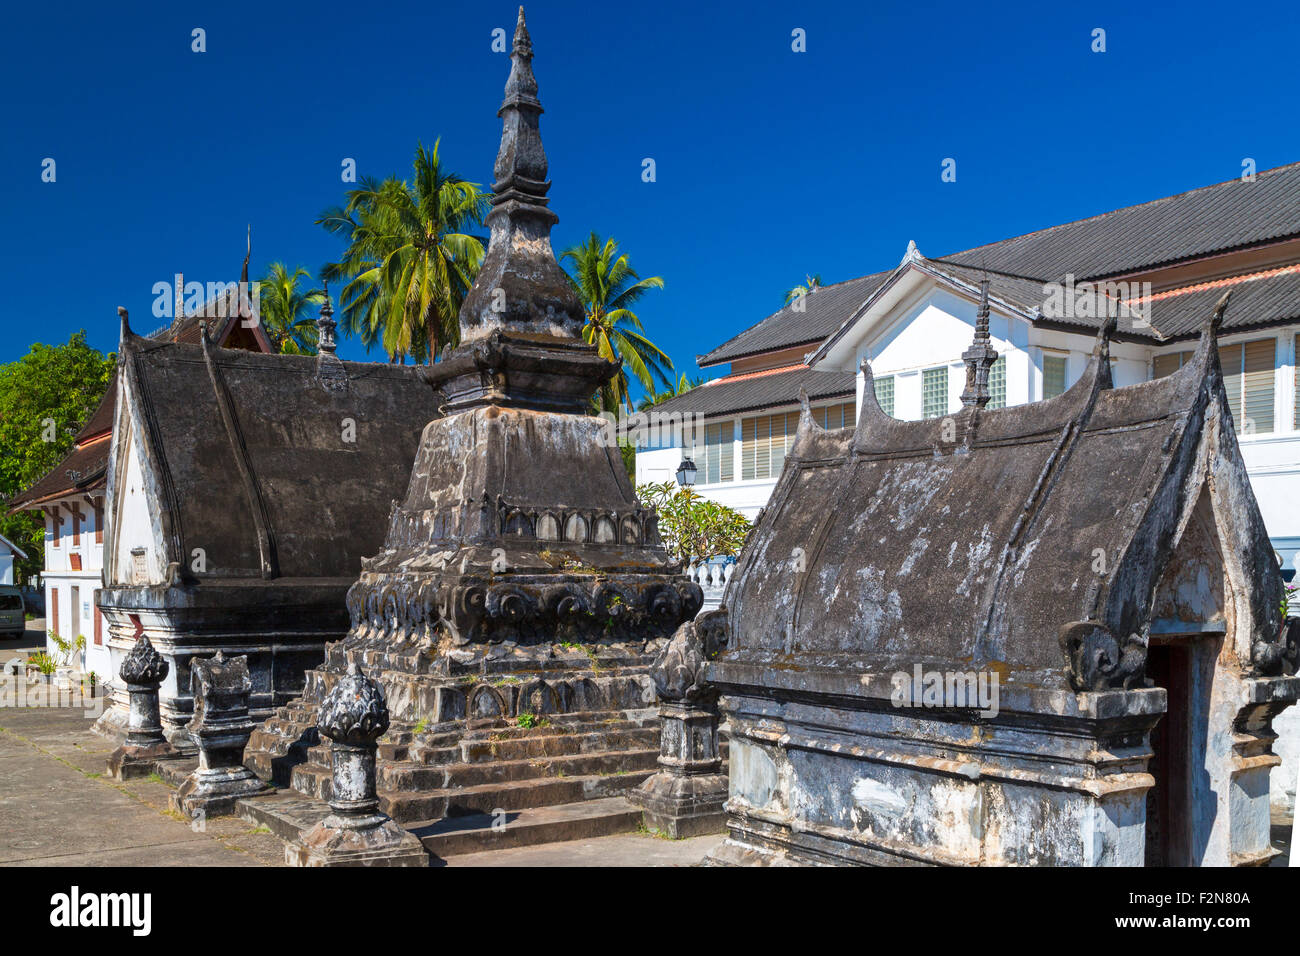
x=513 y=795
x=453 y=836
x=399 y=777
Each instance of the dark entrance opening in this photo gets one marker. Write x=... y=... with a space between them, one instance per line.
x=1167 y=817
x=1181 y=807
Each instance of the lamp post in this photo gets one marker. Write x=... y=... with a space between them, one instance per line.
x=686 y=473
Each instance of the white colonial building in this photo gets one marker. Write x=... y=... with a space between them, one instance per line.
x=1170 y=259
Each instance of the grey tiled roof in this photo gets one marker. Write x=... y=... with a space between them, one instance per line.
x=824 y=310
x=1212 y=219
x=722 y=397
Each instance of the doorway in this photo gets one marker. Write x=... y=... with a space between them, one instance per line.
x=1182 y=806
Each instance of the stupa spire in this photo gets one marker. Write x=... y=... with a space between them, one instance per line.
x=520 y=287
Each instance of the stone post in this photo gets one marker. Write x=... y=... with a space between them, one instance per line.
x=143 y=671
x=354 y=716
x=221 y=728
x=685 y=798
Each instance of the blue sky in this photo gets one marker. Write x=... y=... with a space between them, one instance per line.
x=770 y=163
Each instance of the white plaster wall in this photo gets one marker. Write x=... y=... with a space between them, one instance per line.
x=132 y=522
x=6 y=565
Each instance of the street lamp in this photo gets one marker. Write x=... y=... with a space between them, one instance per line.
x=686 y=473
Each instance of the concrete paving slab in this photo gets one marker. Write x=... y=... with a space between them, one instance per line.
x=625 y=849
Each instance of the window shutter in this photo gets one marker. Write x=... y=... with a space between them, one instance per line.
x=1230 y=360
x=1296 y=423
x=748 y=430
x=1163 y=365
x=1257 y=384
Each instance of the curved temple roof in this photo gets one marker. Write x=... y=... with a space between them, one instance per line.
x=977 y=539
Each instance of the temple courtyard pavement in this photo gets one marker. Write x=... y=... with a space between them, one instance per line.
x=58 y=808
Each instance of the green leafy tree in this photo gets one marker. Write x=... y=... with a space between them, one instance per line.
x=609 y=287
x=409 y=260
x=45 y=398
x=694 y=528
x=287 y=313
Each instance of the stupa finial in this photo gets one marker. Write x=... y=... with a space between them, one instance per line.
x=980 y=356
x=520 y=287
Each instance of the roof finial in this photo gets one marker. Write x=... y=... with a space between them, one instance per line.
x=520 y=287
x=243 y=275
x=980 y=356
x=325 y=325
x=126 y=325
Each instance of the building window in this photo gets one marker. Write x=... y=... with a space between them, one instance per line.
x=715 y=458
x=76 y=528
x=56 y=538
x=934 y=392
x=99 y=523
x=1248 y=379
x=998 y=383
x=764 y=443
x=1170 y=362
x=1053 y=375
x=99 y=626
x=832 y=417
x=1296 y=363
x=885 y=394
x=54 y=606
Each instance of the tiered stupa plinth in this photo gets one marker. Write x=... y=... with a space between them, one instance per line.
x=522 y=590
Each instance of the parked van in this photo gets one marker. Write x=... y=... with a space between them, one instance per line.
x=12 y=620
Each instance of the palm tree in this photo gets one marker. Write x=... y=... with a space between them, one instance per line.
x=811 y=285
x=287 y=313
x=683 y=386
x=608 y=286
x=409 y=261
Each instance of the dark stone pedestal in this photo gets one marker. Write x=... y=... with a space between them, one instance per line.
x=143 y=671
x=221 y=727
x=686 y=797
x=354 y=716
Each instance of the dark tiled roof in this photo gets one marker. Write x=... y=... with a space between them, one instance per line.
x=83 y=469
x=326 y=497
x=1215 y=218
x=1271 y=298
x=727 y=395
x=824 y=310
x=1212 y=219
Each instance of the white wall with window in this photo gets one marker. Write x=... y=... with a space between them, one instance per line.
x=915 y=351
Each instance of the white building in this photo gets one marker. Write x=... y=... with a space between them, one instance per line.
x=8 y=550
x=71 y=497
x=913 y=322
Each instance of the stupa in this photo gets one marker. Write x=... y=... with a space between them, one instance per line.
x=522 y=590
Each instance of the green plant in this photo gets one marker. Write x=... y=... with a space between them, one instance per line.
x=527 y=721
x=609 y=287
x=693 y=527
x=43 y=662
x=410 y=260
x=67 y=648
x=421 y=725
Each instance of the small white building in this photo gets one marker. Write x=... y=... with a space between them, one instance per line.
x=8 y=550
